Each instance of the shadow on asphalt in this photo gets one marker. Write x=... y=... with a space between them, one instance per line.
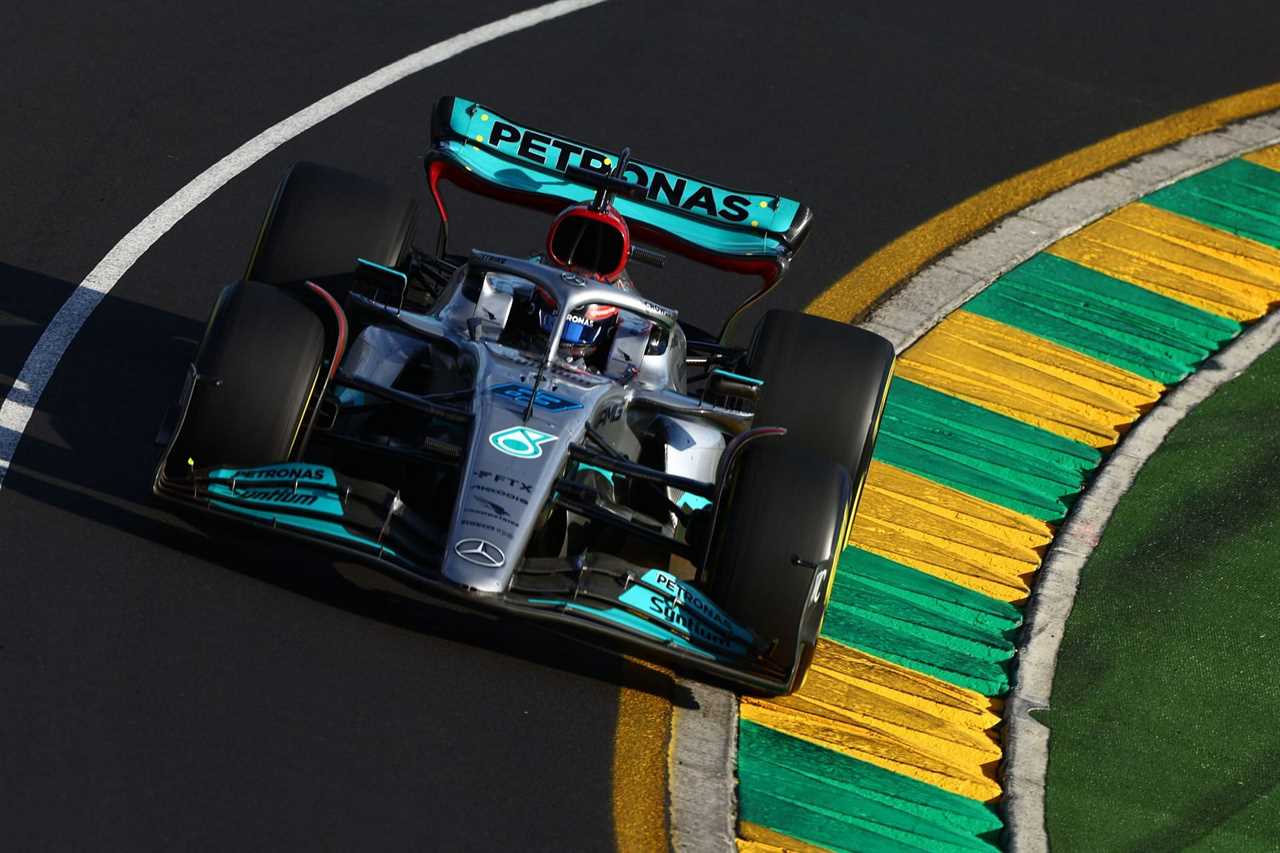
x=90 y=451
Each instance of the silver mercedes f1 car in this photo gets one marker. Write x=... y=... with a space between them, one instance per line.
x=531 y=435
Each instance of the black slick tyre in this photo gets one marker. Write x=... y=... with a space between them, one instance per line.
x=825 y=382
x=322 y=219
x=774 y=549
x=258 y=367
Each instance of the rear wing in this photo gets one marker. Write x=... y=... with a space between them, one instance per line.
x=485 y=152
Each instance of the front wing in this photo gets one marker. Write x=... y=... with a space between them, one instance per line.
x=594 y=597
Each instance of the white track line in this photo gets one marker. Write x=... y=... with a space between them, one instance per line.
x=20 y=403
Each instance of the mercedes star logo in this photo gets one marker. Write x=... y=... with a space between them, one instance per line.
x=480 y=552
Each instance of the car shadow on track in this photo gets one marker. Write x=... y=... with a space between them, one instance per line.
x=90 y=452
x=28 y=301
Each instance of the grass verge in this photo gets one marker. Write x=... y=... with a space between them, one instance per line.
x=1166 y=703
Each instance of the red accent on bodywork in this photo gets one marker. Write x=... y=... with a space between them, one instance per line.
x=434 y=172
x=608 y=217
x=341 y=316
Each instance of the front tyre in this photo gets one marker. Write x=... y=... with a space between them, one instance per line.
x=322 y=219
x=777 y=538
x=825 y=382
x=258 y=368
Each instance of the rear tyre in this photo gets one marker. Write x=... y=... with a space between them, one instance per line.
x=774 y=549
x=259 y=366
x=825 y=382
x=322 y=219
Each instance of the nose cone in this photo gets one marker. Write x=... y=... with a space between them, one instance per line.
x=477 y=563
x=511 y=471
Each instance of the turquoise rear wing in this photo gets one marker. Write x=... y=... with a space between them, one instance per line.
x=482 y=150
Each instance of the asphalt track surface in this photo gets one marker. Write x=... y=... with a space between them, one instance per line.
x=158 y=689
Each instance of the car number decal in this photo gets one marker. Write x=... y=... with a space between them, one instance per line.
x=520 y=441
x=543 y=400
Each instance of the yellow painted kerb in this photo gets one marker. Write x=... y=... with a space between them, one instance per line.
x=1269 y=157
x=1028 y=378
x=944 y=532
x=762 y=839
x=886 y=714
x=640 y=759
x=1179 y=258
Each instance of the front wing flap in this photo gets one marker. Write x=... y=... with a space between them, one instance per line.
x=311 y=501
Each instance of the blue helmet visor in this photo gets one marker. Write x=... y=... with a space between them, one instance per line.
x=580 y=333
x=576 y=333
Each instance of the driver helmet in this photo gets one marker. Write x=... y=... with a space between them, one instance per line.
x=594 y=244
x=584 y=330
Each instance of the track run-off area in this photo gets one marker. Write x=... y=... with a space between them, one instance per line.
x=165 y=690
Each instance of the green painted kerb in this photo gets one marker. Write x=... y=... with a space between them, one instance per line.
x=843 y=804
x=922 y=622
x=1114 y=321
x=981 y=452
x=1239 y=197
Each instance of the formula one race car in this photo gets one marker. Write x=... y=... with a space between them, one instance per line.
x=531 y=435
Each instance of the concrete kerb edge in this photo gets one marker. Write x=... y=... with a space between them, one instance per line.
x=702 y=762
x=702 y=805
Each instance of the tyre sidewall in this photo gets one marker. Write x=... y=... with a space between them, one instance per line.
x=257 y=370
